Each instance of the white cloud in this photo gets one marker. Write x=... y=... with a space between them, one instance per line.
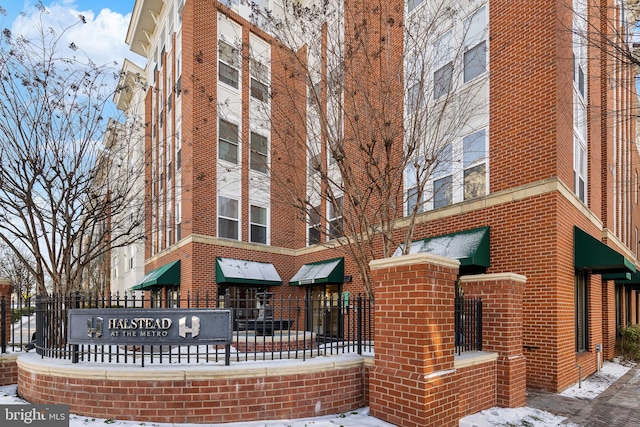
x=101 y=38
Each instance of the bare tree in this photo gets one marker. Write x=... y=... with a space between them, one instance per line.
x=62 y=177
x=374 y=104
x=13 y=268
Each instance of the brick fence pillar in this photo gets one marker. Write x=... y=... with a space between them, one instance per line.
x=502 y=330
x=5 y=291
x=412 y=381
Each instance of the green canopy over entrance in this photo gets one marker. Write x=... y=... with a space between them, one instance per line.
x=168 y=274
x=241 y=272
x=470 y=247
x=591 y=254
x=329 y=271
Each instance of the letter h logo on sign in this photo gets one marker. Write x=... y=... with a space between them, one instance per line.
x=194 y=330
x=97 y=330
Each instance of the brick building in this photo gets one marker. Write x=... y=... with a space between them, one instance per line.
x=540 y=175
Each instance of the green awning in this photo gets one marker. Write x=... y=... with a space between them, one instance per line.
x=470 y=247
x=591 y=254
x=168 y=274
x=241 y=272
x=329 y=271
x=618 y=277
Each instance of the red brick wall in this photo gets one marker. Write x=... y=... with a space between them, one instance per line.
x=476 y=386
x=8 y=369
x=198 y=396
x=502 y=330
x=5 y=292
x=413 y=382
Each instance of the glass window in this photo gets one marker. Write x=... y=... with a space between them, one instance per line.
x=475 y=182
x=442 y=80
x=228 y=64
x=443 y=181
x=413 y=4
x=335 y=218
x=580 y=170
x=258 y=224
x=314 y=225
x=582 y=312
x=259 y=150
x=475 y=61
x=228 y=142
x=473 y=148
x=228 y=218
x=259 y=80
x=442 y=192
x=412 y=187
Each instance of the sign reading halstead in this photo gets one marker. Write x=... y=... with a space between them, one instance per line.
x=153 y=326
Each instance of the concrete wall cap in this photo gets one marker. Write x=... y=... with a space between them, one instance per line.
x=421 y=258
x=494 y=277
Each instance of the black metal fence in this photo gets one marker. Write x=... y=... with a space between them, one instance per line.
x=266 y=327
x=468 y=324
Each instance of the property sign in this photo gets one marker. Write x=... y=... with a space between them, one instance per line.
x=150 y=326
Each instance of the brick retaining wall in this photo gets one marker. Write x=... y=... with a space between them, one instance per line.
x=199 y=394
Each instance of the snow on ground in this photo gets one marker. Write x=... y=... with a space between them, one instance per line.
x=590 y=388
x=530 y=417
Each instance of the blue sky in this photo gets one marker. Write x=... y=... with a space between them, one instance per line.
x=102 y=37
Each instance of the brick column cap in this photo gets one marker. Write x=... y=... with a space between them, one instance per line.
x=412 y=259
x=5 y=281
x=493 y=277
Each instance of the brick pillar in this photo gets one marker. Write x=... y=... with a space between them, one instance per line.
x=502 y=330
x=5 y=290
x=412 y=381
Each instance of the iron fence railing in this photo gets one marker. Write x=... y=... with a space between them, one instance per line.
x=265 y=328
x=468 y=324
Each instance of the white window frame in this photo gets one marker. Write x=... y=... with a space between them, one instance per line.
x=253 y=223
x=226 y=141
x=228 y=216
x=232 y=63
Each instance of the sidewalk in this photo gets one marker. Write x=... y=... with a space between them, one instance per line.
x=617 y=406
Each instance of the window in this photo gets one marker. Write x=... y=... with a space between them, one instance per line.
x=227 y=218
x=335 y=218
x=258 y=224
x=475 y=45
x=412 y=185
x=580 y=169
x=442 y=80
x=178 y=151
x=315 y=164
x=415 y=99
x=443 y=76
x=582 y=311
x=228 y=64
x=443 y=180
x=259 y=78
x=475 y=61
x=413 y=4
x=259 y=150
x=580 y=84
x=314 y=225
x=228 y=142
x=178 y=218
x=473 y=155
